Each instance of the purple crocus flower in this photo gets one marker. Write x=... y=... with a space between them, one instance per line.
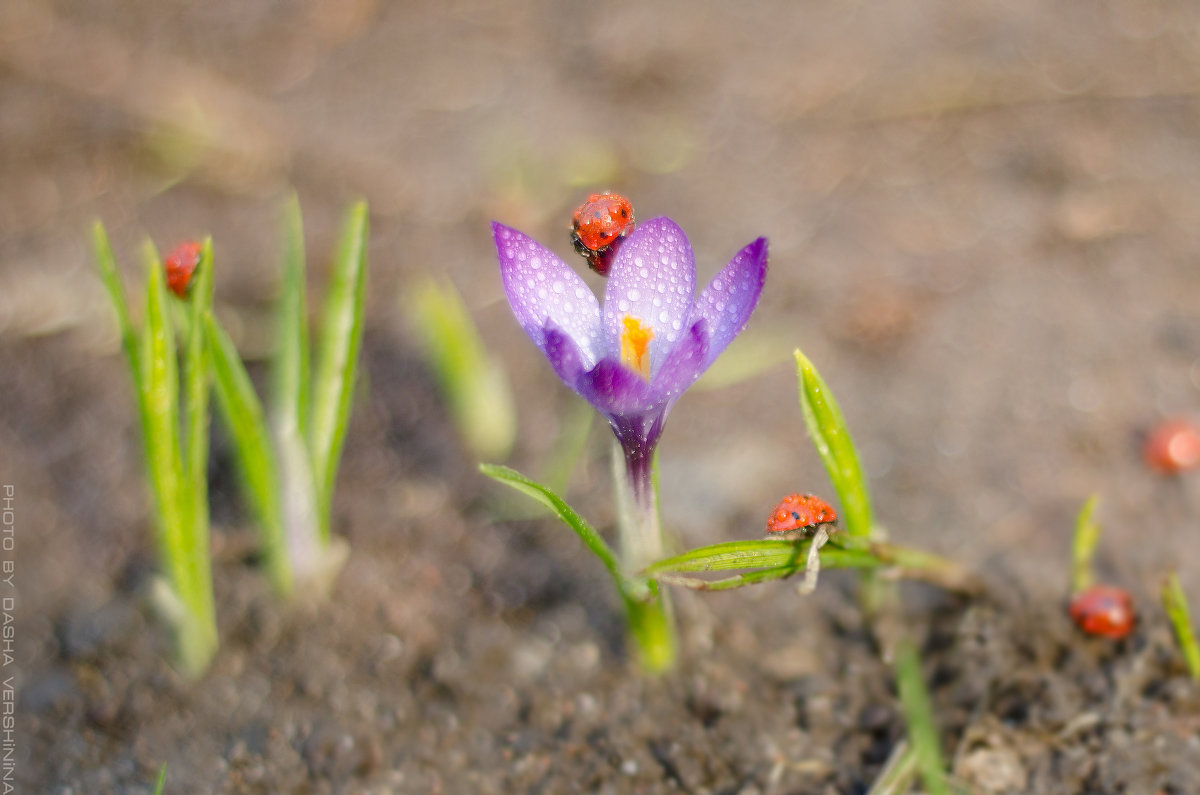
x=633 y=357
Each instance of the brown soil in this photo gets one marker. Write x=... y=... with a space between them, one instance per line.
x=983 y=230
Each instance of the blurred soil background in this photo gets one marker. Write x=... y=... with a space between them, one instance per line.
x=983 y=225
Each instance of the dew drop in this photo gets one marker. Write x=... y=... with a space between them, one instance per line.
x=559 y=288
x=535 y=263
x=542 y=293
x=623 y=305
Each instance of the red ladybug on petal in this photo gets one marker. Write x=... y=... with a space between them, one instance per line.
x=800 y=516
x=180 y=265
x=598 y=228
x=1103 y=610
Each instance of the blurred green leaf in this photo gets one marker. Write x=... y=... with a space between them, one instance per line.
x=1083 y=548
x=196 y=375
x=243 y=415
x=291 y=390
x=918 y=714
x=337 y=363
x=474 y=385
x=832 y=439
x=183 y=547
x=1175 y=603
x=116 y=292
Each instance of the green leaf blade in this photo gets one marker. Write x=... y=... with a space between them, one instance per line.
x=567 y=515
x=1176 y=606
x=829 y=433
x=111 y=278
x=243 y=415
x=291 y=376
x=475 y=387
x=341 y=339
x=1083 y=546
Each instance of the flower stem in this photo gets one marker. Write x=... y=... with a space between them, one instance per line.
x=640 y=543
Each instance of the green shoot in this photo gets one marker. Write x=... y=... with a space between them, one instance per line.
x=474 y=385
x=1083 y=549
x=832 y=439
x=918 y=714
x=174 y=426
x=243 y=415
x=898 y=772
x=337 y=362
x=289 y=464
x=1175 y=603
x=162 y=780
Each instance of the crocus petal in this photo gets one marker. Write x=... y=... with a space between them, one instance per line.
x=564 y=355
x=615 y=389
x=684 y=363
x=731 y=296
x=542 y=288
x=653 y=279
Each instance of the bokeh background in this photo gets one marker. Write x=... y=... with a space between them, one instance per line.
x=982 y=217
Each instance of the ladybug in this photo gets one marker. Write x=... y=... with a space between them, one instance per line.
x=180 y=265
x=1173 y=447
x=599 y=227
x=800 y=516
x=1103 y=610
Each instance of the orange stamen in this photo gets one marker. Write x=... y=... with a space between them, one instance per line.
x=635 y=345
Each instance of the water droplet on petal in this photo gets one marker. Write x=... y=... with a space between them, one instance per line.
x=535 y=263
x=559 y=288
x=542 y=293
x=634 y=294
x=623 y=305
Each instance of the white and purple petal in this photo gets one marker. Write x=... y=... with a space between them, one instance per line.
x=543 y=290
x=683 y=365
x=731 y=296
x=653 y=279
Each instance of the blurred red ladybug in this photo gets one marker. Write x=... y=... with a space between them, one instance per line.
x=598 y=228
x=1173 y=447
x=180 y=264
x=798 y=516
x=1103 y=610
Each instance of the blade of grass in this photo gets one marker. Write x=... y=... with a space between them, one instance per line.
x=291 y=387
x=1175 y=603
x=918 y=713
x=898 y=772
x=341 y=338
x=196 y=374
x=1083 y=548
x=243 y=416
x=162 y=780
x=474 y=385
x=116 y=292
x=635 y=589
x=194 y=626
x=827 y=427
